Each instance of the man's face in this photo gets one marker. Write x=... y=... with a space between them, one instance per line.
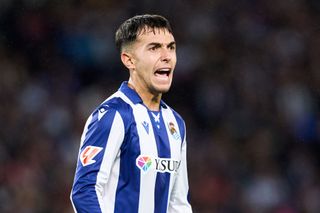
x=154 y=58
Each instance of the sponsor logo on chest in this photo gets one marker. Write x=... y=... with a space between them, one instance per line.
x=147 y=163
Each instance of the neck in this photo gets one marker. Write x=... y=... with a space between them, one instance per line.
x=151 y=101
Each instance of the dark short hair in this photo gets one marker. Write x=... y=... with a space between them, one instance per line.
x=130 y=29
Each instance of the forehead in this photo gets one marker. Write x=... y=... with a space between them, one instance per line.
x=160 y=35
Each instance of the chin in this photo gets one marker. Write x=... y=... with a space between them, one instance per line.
x=164 y=90
x=161 y=89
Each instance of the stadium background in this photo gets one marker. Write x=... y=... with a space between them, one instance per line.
x=247 y=83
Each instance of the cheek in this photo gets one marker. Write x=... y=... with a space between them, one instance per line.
x=174 y=60
x=144 y=67
x=147 y=63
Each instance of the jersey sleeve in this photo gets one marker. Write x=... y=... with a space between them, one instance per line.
x=179 y=202
x=100 y=143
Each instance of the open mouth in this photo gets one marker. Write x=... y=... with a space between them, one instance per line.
x=163 y=72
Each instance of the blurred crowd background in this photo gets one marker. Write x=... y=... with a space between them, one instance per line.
x=247 y=83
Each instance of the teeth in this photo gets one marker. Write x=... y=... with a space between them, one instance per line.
x=164 y=69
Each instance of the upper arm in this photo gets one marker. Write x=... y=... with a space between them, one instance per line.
x=100 y=143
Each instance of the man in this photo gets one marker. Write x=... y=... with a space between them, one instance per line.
x=132 y=156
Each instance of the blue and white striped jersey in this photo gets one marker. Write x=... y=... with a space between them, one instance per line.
x=132 y=159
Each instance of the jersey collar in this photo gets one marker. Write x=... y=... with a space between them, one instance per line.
x=133 y=95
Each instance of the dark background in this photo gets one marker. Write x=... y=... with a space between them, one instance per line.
x=247 y=83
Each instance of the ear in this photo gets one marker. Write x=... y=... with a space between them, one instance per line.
x=127 y=60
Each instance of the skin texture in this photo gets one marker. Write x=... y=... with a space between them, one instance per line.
x=153 y=50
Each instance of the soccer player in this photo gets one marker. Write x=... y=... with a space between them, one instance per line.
x=132 y=155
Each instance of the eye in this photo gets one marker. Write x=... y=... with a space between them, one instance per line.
x=153 y=48
x=172 y=47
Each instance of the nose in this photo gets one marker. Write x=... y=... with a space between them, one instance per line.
x=165 y=55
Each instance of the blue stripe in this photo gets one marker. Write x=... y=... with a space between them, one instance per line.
x=83 y=193
x=163 y=179
x=127 y=194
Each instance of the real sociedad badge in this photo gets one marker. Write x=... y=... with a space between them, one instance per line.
x=173 y=131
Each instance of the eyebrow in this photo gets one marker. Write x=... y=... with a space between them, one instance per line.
x=159 y=44
x=171 y=44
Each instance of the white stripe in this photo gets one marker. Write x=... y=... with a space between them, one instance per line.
x=85 y=130
x=175 y=145
x=110 y=165
x=74 y=208
x=148 y=147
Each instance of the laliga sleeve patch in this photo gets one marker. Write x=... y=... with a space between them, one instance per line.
x=88 y=153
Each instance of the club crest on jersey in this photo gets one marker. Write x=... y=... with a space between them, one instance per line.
x=88 y=153
x=173 y=131
x=147 y=163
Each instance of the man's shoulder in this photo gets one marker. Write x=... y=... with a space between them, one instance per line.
x=114 y=102
x=109 y=108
